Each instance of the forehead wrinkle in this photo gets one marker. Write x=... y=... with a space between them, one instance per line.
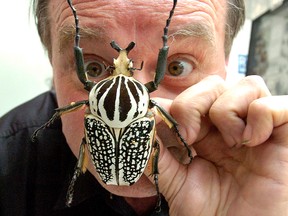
x=214 y=11
x=67 y=35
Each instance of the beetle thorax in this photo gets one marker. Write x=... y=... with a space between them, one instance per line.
x=119 y=100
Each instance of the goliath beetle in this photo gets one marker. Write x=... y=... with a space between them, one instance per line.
x=119 y=121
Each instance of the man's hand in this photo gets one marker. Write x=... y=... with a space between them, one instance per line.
x=240 y=135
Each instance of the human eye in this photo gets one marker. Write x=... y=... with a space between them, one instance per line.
x=179 y=66
x=95 y=68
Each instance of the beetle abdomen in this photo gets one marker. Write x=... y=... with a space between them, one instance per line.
x=120 y=155
x=119 y=100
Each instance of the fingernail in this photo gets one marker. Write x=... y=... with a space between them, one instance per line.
x=247 y=135
x=246 y=142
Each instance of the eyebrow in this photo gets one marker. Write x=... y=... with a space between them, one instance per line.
x=67 y=35
x=197 y=30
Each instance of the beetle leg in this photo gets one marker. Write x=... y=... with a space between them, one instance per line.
x=79 y=54
x=171 y=122
x=155 y=172
x=80 y=168
x=59 y=111
x=162 y=56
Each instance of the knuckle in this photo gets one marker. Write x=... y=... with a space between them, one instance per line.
x=259 y=107
x=216 y=111
x=215 y=79
x=253 y=79
x=257 y=84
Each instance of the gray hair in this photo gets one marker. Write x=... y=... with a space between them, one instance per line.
x=235 y=20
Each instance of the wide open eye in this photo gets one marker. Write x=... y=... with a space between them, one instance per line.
x=95 y=69
x=179 y=67
x=176 y=68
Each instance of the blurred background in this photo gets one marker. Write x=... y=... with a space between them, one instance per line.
x=24 y=67
x=25 y=71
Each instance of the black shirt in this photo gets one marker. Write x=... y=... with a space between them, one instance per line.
x=34 y=176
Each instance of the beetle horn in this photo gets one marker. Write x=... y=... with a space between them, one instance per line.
x=115 y=46
x=130 y=47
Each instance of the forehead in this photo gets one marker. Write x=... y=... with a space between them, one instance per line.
x=140 y=21
x=128 y=14
x=126 y=7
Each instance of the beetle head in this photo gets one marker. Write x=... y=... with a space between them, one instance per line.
x=123 y=65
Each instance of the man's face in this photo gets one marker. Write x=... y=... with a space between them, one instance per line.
x=196 y=47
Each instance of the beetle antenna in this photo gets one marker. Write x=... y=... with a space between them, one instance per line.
x=165 y=36
x=77 y=30
x=162 y=56
x=79 y=59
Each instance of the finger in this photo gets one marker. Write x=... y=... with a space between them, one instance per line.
x=165 y=133
x=264 y=115
x=193 y=104
x=165 y=104
x=230 y=110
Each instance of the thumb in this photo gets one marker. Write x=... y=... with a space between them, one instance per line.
x=169 y=171
x=187 y=188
